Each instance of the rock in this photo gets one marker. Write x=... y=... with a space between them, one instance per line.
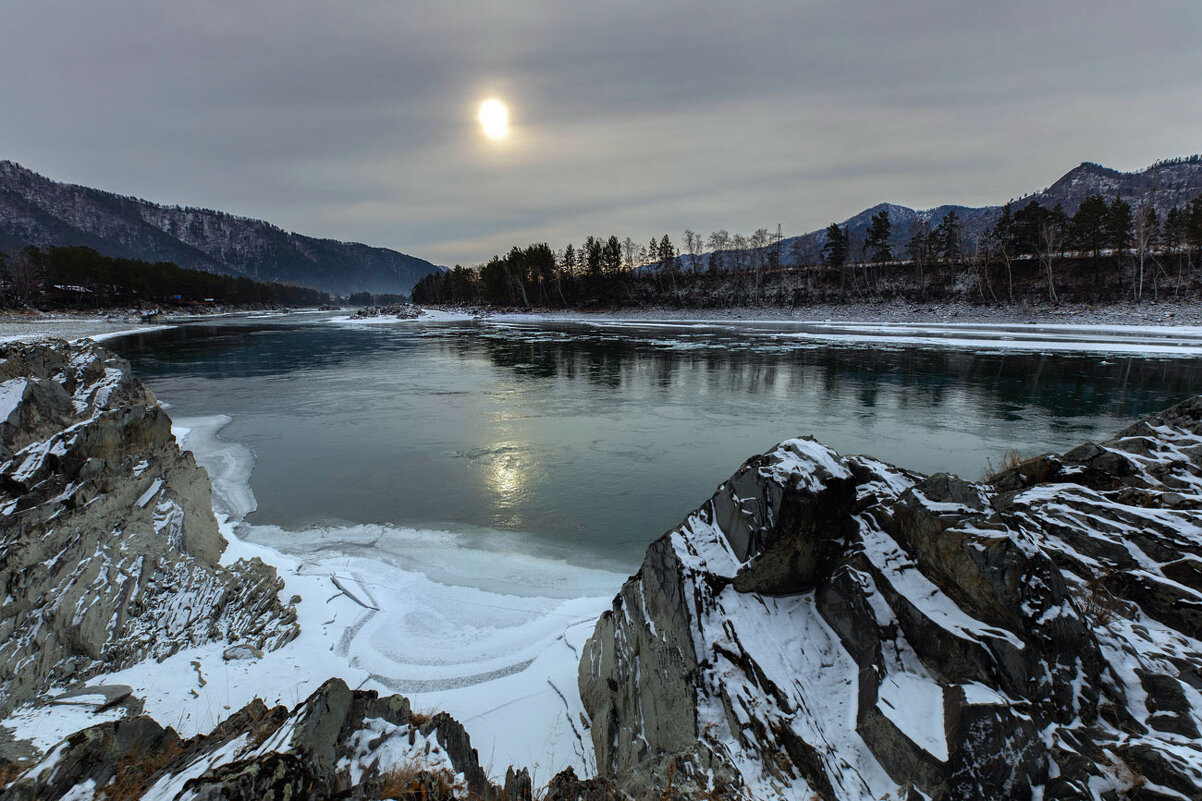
x=113 y=754
x=401 y=311
x=835 y=627
x=109 y=545
x=338 y=743
x=99 y=696
x=241 y=652
x=566 y=787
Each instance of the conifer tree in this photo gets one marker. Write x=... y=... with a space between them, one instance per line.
x=834 y=251
x=877 y=238
x=1118 y=233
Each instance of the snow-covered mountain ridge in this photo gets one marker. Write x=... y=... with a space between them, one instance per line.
x=35 y=210
x=1163 y=185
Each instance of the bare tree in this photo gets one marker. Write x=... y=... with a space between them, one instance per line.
x=739 y=244
x=1051 y=240
x=693 y=246
x=629 y=252
x=1146 y=229
x=719 y=243
x=26 y=275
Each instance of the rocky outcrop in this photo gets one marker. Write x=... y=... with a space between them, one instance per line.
x=835 y=627
x=401 y=311
x=109 y=551
x=338 y=743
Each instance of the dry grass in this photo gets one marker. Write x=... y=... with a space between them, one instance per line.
x=1101 y=605
x=134 y=770
x=9 y=771
x=1011 y=460
x=410 y=781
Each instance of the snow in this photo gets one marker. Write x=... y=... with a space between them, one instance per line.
x=85 y=791
x=903 y=574
x=799 y=457
x=389 y=744
x=142 y=329
x=1143 y=340
x=800 y=654
x=424 y=316
x=976 y=694
x=149 y=493
x=170 y=786
x=914 y=704
x=11 y=393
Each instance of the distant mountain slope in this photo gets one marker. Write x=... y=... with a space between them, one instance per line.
x=1165 y=184
x=35 y=210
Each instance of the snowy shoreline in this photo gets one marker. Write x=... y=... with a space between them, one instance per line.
x=408 y=618
x=1164 y=313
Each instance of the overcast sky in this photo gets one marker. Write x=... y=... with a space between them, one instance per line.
x=356 y=120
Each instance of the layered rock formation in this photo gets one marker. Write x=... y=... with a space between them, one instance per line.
x=835 y=627
x=109 y=552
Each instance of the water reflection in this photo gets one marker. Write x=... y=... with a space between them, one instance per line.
x=1001 y=384
x=595 y=441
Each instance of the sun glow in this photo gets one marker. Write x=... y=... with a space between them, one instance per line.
x=494 y=119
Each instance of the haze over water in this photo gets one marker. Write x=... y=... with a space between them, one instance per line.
x=588 y=442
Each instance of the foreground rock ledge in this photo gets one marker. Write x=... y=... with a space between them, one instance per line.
x=836 y=627
x=108 y=545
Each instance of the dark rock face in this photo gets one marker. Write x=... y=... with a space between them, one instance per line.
x=836 y=627
x=339 y=743
x=108 y=546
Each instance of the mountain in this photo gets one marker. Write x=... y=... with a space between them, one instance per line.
x=35 y=210
x=1164 y=185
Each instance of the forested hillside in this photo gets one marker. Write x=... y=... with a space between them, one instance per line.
x=81 y=278
x=35 y=210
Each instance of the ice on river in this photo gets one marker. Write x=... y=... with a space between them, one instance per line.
x=491 y=635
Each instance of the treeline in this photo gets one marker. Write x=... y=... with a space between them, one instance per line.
x=1105 y=251
x=376 y=299
x=79 y=277
x=1152 y=252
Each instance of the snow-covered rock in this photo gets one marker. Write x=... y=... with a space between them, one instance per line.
x=835 y=627
x=109 y=551
x=338 y=743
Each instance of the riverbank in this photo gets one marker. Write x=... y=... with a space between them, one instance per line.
x=1164 y=313
x=24 y=326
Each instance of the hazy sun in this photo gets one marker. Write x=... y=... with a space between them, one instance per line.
x=494 y=118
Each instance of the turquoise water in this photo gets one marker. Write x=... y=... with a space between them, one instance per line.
x=586 y=442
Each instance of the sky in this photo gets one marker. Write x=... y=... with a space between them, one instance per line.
x=357 y=119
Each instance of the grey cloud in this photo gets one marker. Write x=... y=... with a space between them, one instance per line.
x=354 y=119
